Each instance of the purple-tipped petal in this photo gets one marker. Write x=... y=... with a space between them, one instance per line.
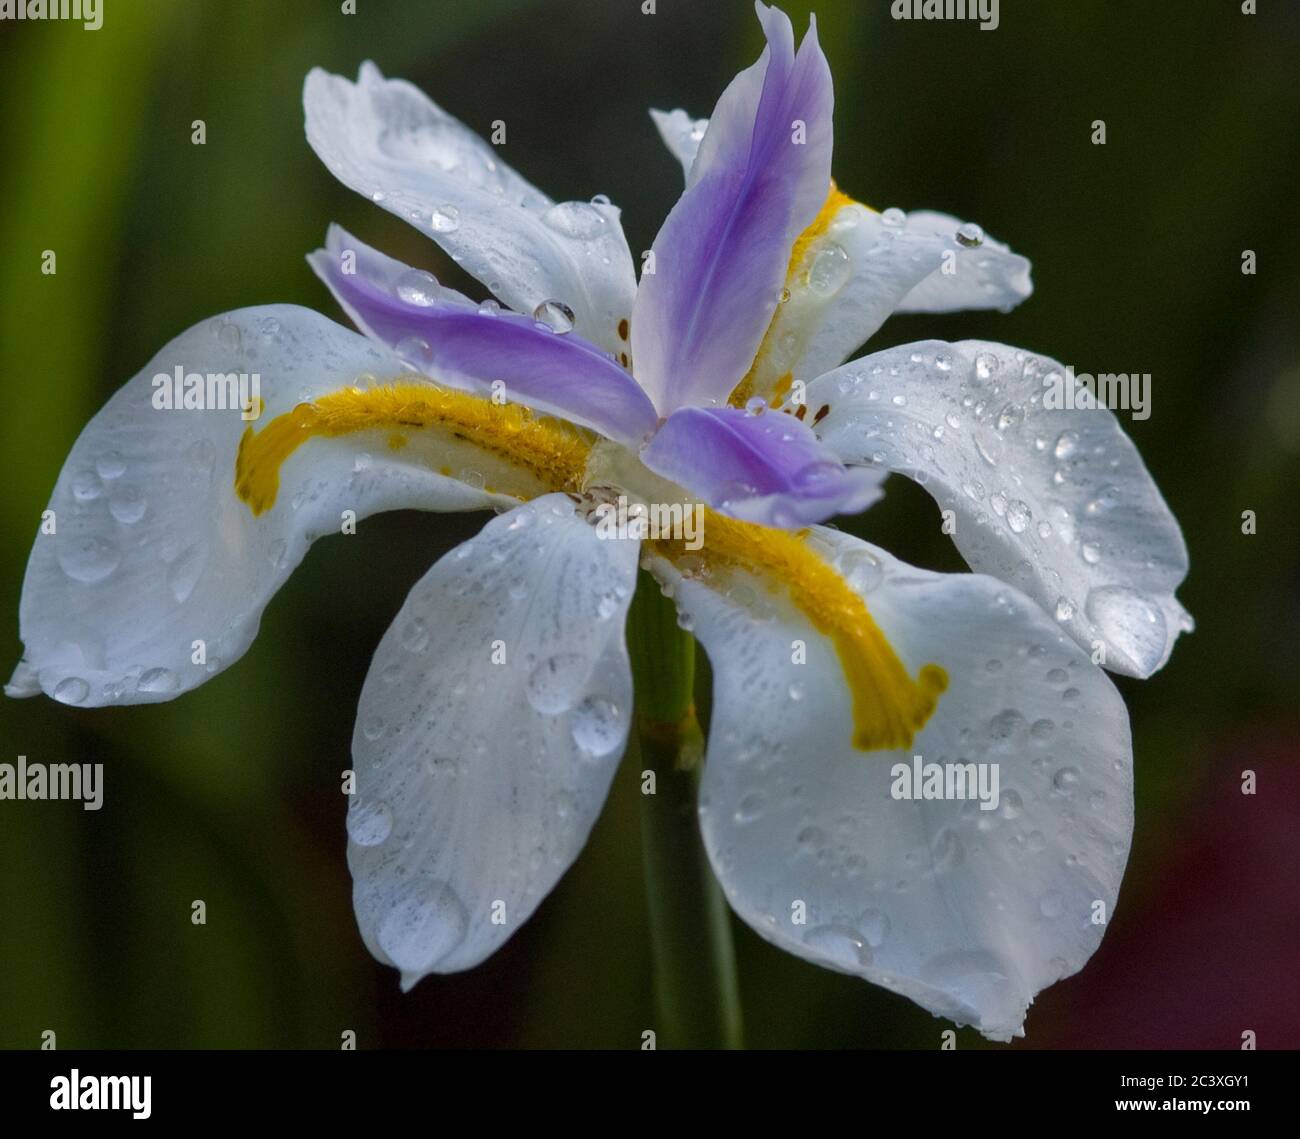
x=760 y=178
x=767 y=468
x=472 y=347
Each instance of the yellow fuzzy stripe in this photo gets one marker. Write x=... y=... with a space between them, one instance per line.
x=550 y=450
x=889 y=707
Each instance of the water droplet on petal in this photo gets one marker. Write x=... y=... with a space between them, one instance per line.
x=817 y=476
x=416 y=287
x=72 y=690
x=840 y=943
x=445 y=219
x=110 y=466
x=860 y=569
x=555 y=684
x=555 y=315
x=413 y=350
x=415 y=636
x=1131 y=622
x=157 y=680
x=1065 y=780
x=369 y=824
x=574 y=219
x=1066 y=444
x=89 y=559
x=426 y=921
x=1018 y=516
x=970 y=235
x=86 y=486
x=598 y=726
x=1052 y=905
x=128 y=505
x=185 y=571
x=830 y=270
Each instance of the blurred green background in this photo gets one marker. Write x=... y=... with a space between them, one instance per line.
x=231 y=793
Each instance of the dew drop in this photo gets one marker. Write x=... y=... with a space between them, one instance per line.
x=185 y=571
x=89 y=559
x=555 y=315
x=426 y=922
x=86 y=486
x=127 y=505
x=1131 y=622
x=830 y=270
x=157 y=680
x=413 y=350
x=840 y=943
x=598 y=726
x=555 y=684
x=1066 y=445
x=369 y=824
x=415 y=636
x=416 y=287
x=1065 y=780
x=574 y=219
x=861 y=569
x=110 y=466
x=71 y=690
x=445 y=219
x=751 y=807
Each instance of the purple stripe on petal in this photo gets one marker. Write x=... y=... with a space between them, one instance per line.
x=450 y=339
x=760 y=178
x=767 y=468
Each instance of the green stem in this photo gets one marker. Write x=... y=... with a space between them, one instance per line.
x=696 y=994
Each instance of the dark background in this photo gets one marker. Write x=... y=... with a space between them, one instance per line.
x=231 y=793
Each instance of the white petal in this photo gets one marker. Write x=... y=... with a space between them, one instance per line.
x=986 y=275
x=857 y=268
x=1054 y=501
x=491 y=722
x=387 y=140
x=681 y=134
x=968 y=912
x=154 y=551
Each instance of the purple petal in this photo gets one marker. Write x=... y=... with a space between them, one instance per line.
x=720 y=260
x=767 y=468
x=450 y=339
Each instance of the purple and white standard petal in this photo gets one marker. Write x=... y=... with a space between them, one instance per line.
x=491 y=723
x=966 y=911
x=156 y=573
x=1054 y=500
x=760 y=177
x=473 y=347
x=387 y=140
x=768 y=468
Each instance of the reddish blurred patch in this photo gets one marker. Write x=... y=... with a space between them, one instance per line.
x=1208 y=945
